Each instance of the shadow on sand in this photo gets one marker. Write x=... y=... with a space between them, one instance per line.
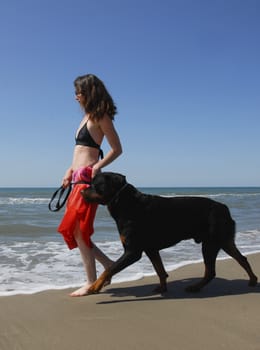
x=176 y=290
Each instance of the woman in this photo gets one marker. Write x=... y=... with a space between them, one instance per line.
x=97 y=123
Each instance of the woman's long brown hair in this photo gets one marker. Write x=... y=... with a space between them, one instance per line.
x=97 y=101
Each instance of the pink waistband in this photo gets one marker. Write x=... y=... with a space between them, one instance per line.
x=82 y=174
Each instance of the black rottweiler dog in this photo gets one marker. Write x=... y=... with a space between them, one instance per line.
x=148 y=223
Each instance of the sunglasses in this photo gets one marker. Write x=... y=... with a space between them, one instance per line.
x=77 y=93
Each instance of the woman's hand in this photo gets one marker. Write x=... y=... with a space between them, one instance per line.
x=95 y=170
x=67 y=178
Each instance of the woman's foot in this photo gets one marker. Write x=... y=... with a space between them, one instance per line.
x=81 y=291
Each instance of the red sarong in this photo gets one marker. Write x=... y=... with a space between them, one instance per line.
x=78 y=212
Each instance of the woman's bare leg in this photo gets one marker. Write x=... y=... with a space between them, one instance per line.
x=88 y=258
x=101 y=257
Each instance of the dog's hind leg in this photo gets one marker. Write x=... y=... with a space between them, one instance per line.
x=231 y=249
x=156 y=260
x=209 y=251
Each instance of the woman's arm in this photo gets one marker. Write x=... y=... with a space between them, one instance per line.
x=107 y=127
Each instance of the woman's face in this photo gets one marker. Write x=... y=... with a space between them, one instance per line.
x=80 y=98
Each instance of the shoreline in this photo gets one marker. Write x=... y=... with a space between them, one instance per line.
x=224 y=315
x=123 y=280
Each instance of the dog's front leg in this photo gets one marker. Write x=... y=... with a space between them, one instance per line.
x=128 y=258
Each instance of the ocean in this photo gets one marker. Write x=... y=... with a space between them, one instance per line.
x=34 y=257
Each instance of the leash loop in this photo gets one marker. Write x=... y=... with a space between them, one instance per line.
x=60 y=202
x=62 y=193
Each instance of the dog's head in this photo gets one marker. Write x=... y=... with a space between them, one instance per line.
x=104 y=187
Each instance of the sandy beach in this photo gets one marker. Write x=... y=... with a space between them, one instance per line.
x=225 y=315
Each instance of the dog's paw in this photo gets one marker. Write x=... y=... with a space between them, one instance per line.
x=252 y=282
x=160 y=290
x=92 y=291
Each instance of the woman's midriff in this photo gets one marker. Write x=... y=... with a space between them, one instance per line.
x=84 y=156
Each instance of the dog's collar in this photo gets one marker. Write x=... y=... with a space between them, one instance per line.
x=117 y=194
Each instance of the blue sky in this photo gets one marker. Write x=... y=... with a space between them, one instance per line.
x=183 y=73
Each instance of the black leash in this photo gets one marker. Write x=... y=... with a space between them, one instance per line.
x=60 y=202
x=62 y=193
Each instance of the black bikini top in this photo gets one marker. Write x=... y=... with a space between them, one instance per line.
x=83 y=138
